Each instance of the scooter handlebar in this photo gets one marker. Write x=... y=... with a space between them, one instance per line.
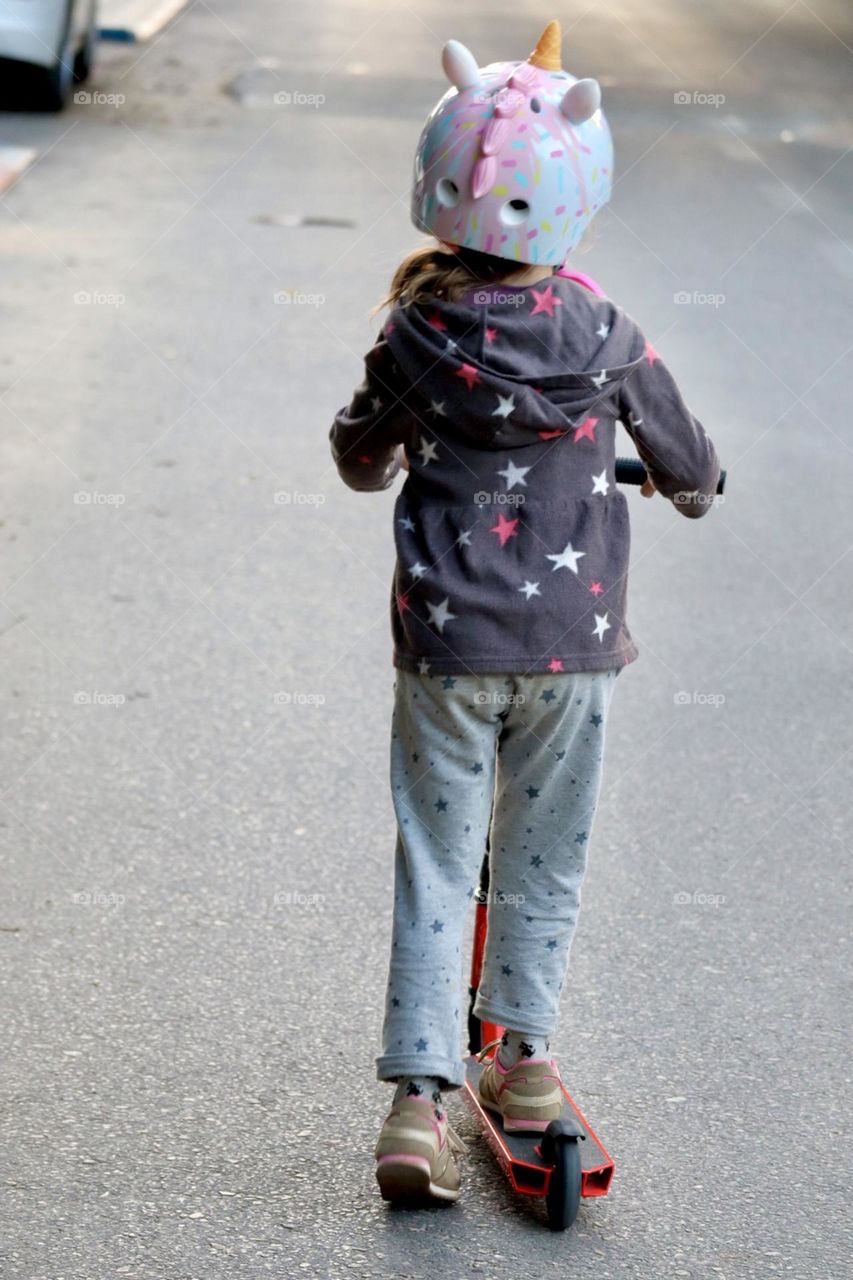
x=632 y=471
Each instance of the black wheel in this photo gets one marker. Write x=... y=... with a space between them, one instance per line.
x=85 y=57
x=564 y=1189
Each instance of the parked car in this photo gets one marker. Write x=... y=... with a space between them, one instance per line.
x=46 y=47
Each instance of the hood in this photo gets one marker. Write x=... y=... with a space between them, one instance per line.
x=504 y=365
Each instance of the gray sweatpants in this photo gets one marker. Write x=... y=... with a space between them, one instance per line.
x=532 y=746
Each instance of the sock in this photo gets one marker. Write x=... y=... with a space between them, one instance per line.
x=426 y=1088
x=516 y=1045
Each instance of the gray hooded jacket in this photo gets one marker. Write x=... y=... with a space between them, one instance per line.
x=512 y=538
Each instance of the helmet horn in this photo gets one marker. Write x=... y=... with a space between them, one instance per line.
x=546 y=55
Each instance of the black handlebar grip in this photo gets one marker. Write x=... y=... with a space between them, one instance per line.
x=632 y=471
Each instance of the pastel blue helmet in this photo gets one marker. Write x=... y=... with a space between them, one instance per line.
x=516 y=159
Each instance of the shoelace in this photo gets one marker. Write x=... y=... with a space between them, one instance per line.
x=486 y=1047
x=453 y=1140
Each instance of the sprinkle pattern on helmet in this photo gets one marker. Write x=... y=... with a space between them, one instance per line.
x=517 y=157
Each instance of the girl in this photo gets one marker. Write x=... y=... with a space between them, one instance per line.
x=498 y=384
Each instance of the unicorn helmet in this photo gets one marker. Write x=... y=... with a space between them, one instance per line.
x=517 y=157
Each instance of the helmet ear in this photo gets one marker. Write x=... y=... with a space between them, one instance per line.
x=581 y=101
x=460 y=65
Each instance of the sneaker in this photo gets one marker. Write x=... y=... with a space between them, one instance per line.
x=415 y=1153
x=527 y=1095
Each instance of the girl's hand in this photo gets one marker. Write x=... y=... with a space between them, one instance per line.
x=647 y=488
x=401 y=454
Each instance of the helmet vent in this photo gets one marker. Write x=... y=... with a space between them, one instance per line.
x=514 y=212
x=447 y=192
x=535 y=105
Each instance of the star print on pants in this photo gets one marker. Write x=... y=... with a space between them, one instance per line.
x=556 y=664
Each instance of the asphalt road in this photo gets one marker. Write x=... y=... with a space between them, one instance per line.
x=196 y=828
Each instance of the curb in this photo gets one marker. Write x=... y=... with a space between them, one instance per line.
x=135 y=20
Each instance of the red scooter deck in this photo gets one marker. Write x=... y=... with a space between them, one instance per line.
x=520 y=1154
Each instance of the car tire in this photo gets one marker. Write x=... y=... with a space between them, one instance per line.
x=85 y=59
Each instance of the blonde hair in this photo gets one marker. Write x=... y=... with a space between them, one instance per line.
x=434 y=272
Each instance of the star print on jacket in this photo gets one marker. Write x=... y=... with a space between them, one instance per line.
x=512 y=538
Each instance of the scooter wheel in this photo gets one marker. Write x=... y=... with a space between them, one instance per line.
x=564 y=1188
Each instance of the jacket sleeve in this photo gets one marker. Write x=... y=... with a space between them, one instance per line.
x=365 y=435
x=672 y=444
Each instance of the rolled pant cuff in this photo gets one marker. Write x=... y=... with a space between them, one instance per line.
x=448 y=1070
x=512 y=1018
